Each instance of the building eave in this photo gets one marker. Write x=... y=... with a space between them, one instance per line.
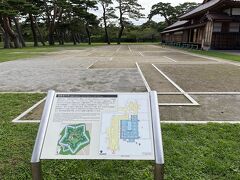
x=184 y=28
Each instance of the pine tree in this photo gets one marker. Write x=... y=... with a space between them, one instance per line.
x=81 y=11
x=108 y=13
x=128 y=9
x=9 y=10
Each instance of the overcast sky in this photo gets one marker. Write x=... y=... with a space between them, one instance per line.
x=147 y=4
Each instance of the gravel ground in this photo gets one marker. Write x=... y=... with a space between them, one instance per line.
x=113 y=69
x=212 y=108
x=204 y=77
x=67 y=71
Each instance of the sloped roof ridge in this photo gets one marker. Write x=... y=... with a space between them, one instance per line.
x=176 y=24
x=201 y=7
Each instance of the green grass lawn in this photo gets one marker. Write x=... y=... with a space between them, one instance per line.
x=191 y=151
x=217 y=54
x=30 y=51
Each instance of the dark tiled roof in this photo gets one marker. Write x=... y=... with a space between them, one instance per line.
x=176 y=24
x=183 y=28
x=203 y=7
x=215 y=16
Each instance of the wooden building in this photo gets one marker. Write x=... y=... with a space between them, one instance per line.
x=215 y=24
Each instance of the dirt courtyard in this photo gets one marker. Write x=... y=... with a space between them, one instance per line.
x=190 y=87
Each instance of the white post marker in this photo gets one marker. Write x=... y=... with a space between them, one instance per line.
x=107 y=126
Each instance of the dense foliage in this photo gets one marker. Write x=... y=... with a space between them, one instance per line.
x=74 y=21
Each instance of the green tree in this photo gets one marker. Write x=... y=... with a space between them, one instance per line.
x=54 y=10
x=127 y=9
x=81 y=11
x=166 y=10
x=108 y=13
x=33 y=8
x=185 y=7
x=9 y=10
x=169 y=12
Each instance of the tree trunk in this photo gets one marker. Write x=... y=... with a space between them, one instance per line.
x=34 y=33
x=78 y=38
x=7 y=43
x=58 y=37
x=121 y=24
x=51 y=40
x=14 y=36
x=6 y=38
x=105 y=25
x=61 y=37
x=120 y=33
x=50 y=22
x=88 y=34
x=39 y=32
x=74 y=39
x=19 y=31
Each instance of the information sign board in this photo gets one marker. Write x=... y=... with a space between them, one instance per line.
x=99 y=126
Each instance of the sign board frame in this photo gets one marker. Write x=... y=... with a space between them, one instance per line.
x=157 y=136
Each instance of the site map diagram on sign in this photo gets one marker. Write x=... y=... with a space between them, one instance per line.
x=99 y=126
x=73 y=139
x=126 y=132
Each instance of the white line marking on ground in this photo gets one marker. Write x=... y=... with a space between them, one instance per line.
x=199 y=93
x=196 y=55
x=129 y=49
x=16 y=92
x=214 y=93
x=200 y=122
x=159 y=93
x=27 y=121
x=28 y=110
x=143 y=78
x=154 y=51
x=118 y=48
x=170 y=58
x=163 y=122
x=171 y=81
x=141 y=54
x=96 y=69
x=190 y=62
x=207 y=57
x=170 y=93
x=177 y=104
x=163 y=48
x=176 y=86
x=91 y=52
x=92 y=64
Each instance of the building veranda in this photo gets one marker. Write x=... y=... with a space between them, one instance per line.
x=215 y=24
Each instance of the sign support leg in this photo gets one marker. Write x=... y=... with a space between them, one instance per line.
x=159 y=172
x=157 y=137
x=36 y=171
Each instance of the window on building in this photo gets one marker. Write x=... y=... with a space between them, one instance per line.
x=217 y=27
x=234 y=27
x=228 y=11
x=236 y=11
x=178 y=33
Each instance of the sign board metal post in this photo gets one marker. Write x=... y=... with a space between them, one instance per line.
x=154 y=118
x=36 y=171
x=35 y=160
x=157 y=137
